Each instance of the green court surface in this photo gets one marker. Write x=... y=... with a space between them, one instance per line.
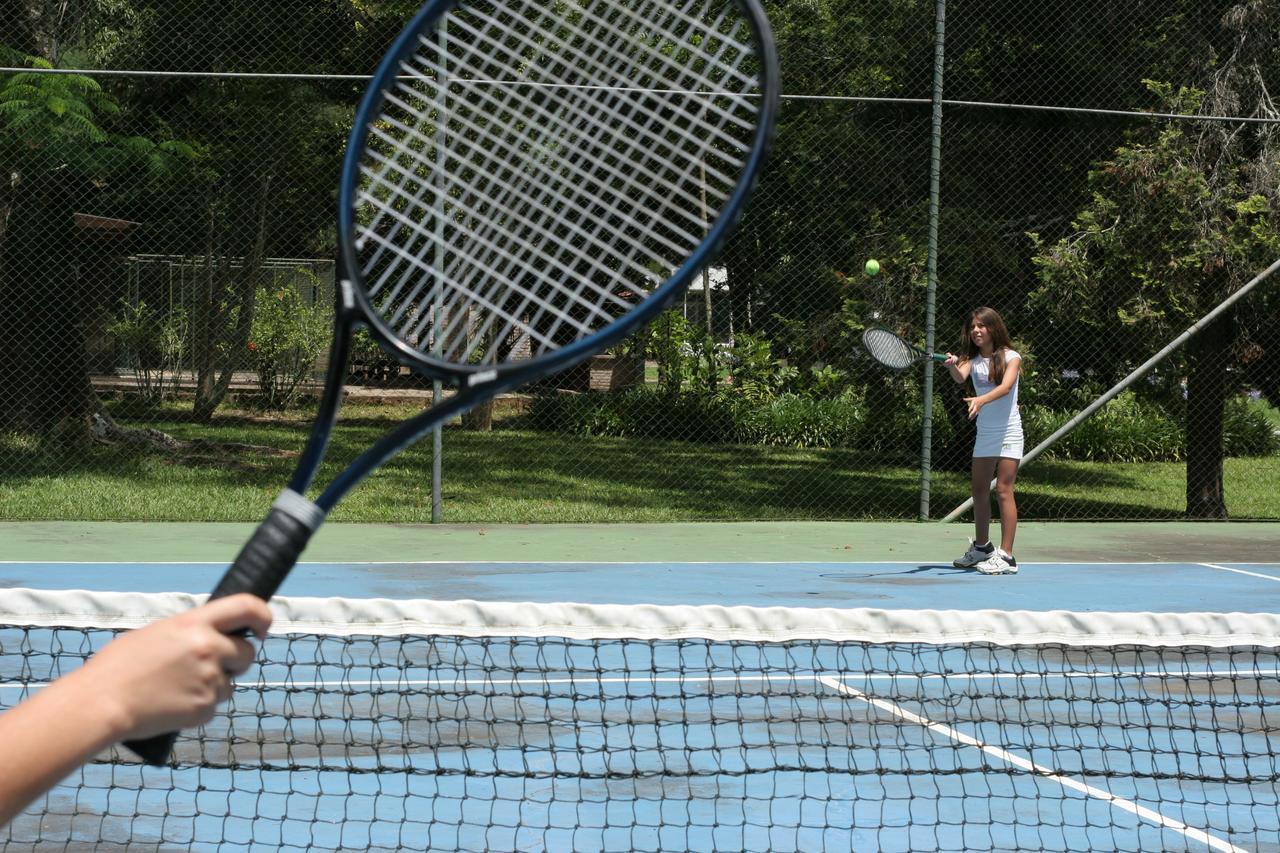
x=707 y=542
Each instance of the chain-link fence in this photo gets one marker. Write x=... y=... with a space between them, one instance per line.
x=1108 y=174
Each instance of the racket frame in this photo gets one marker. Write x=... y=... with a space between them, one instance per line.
x=658 y=299
x=279 y=540
x=918 y=355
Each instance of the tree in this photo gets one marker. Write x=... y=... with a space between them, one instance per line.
x=59 y=161
x=266 y=187
x=42 y=28
x=1181 y=216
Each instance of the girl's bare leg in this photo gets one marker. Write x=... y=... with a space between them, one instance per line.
x=1006 y=473
x=984 y=468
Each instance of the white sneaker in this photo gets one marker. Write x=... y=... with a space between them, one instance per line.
x=999 y=563
x=973 y=556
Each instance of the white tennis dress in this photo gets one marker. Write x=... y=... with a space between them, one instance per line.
x=999 y=424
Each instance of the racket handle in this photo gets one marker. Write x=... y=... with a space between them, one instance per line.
x=268 y=556
x=259 y=568
x=939 y=357
x=154 y=750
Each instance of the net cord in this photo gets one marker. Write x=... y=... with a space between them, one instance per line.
x=577 y=620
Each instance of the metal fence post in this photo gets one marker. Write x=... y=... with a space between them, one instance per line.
x=935 y=179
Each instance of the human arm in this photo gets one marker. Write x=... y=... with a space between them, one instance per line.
x=958 y=368
x=1011 y=370
x=166 y=676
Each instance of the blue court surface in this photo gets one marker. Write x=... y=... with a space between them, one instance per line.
x=720 y=745
x=1081 y=587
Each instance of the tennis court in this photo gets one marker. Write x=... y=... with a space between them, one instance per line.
x=755 y=705
x=712 y=333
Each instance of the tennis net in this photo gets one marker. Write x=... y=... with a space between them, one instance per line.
x=377 y=725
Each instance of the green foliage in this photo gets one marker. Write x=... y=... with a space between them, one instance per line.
x=288 y=336
x=1130 y=429
x=669 y=347
x=757 y=376
x=790 y=420
x=687 y=357
x=1248 y=431
x=53 y=111
x=368 y=362
x=1127 y=429
x=152 y=345
x=1165 y=237
x=50 y=120
x=795 y=421
x=708 y=364
x=636 y=413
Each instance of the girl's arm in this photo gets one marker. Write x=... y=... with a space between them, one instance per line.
x=958 y=369
x=1011 y=368
x=157 y=679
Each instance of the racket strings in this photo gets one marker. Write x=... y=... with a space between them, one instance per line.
x=537 y=170
x=888 y=349
x=560 y=224
x=494 y=249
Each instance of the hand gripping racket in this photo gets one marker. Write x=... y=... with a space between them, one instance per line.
x=892 y=351
x=525 y=184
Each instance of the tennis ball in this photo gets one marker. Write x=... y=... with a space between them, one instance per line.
x=872 y=267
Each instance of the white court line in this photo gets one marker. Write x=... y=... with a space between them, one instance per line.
x=1241 y=571
x=1213 y=842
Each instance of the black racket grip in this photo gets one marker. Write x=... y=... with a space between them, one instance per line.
x=268 y=556
x=259 y=568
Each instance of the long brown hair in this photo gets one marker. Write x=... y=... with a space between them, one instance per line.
x=999 y=340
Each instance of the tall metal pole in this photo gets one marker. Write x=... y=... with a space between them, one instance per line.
x=935 y=192
x=437 y=343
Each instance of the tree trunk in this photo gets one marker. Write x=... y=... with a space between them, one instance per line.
x=43 y=356
x=206 y=318
x=1210 y=355
x=40 y=28
x=44 y=360
x=743 y=256
x=480 y=418
x=218 y=364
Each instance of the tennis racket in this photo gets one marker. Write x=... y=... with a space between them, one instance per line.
x=525 y=184
x=892 y=351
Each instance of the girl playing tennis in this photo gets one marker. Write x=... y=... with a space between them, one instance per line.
x=988 y=360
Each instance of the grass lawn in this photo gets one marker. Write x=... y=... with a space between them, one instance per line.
x=513 y=475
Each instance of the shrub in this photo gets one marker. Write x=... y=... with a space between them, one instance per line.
x=369 y=363
x=758 y=377
x=1247 y=430
x=288 y=336
x=795 y=421
x=670 y=346
x=788 y=421
x=636 y=413
x=152 y=346
x=1127 y=429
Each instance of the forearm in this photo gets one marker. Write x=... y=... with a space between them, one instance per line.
x=162 y=678
x=45 y=738
x=992 y=395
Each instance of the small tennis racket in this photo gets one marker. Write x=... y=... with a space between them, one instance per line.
x=892 y=351
x=525 y=184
